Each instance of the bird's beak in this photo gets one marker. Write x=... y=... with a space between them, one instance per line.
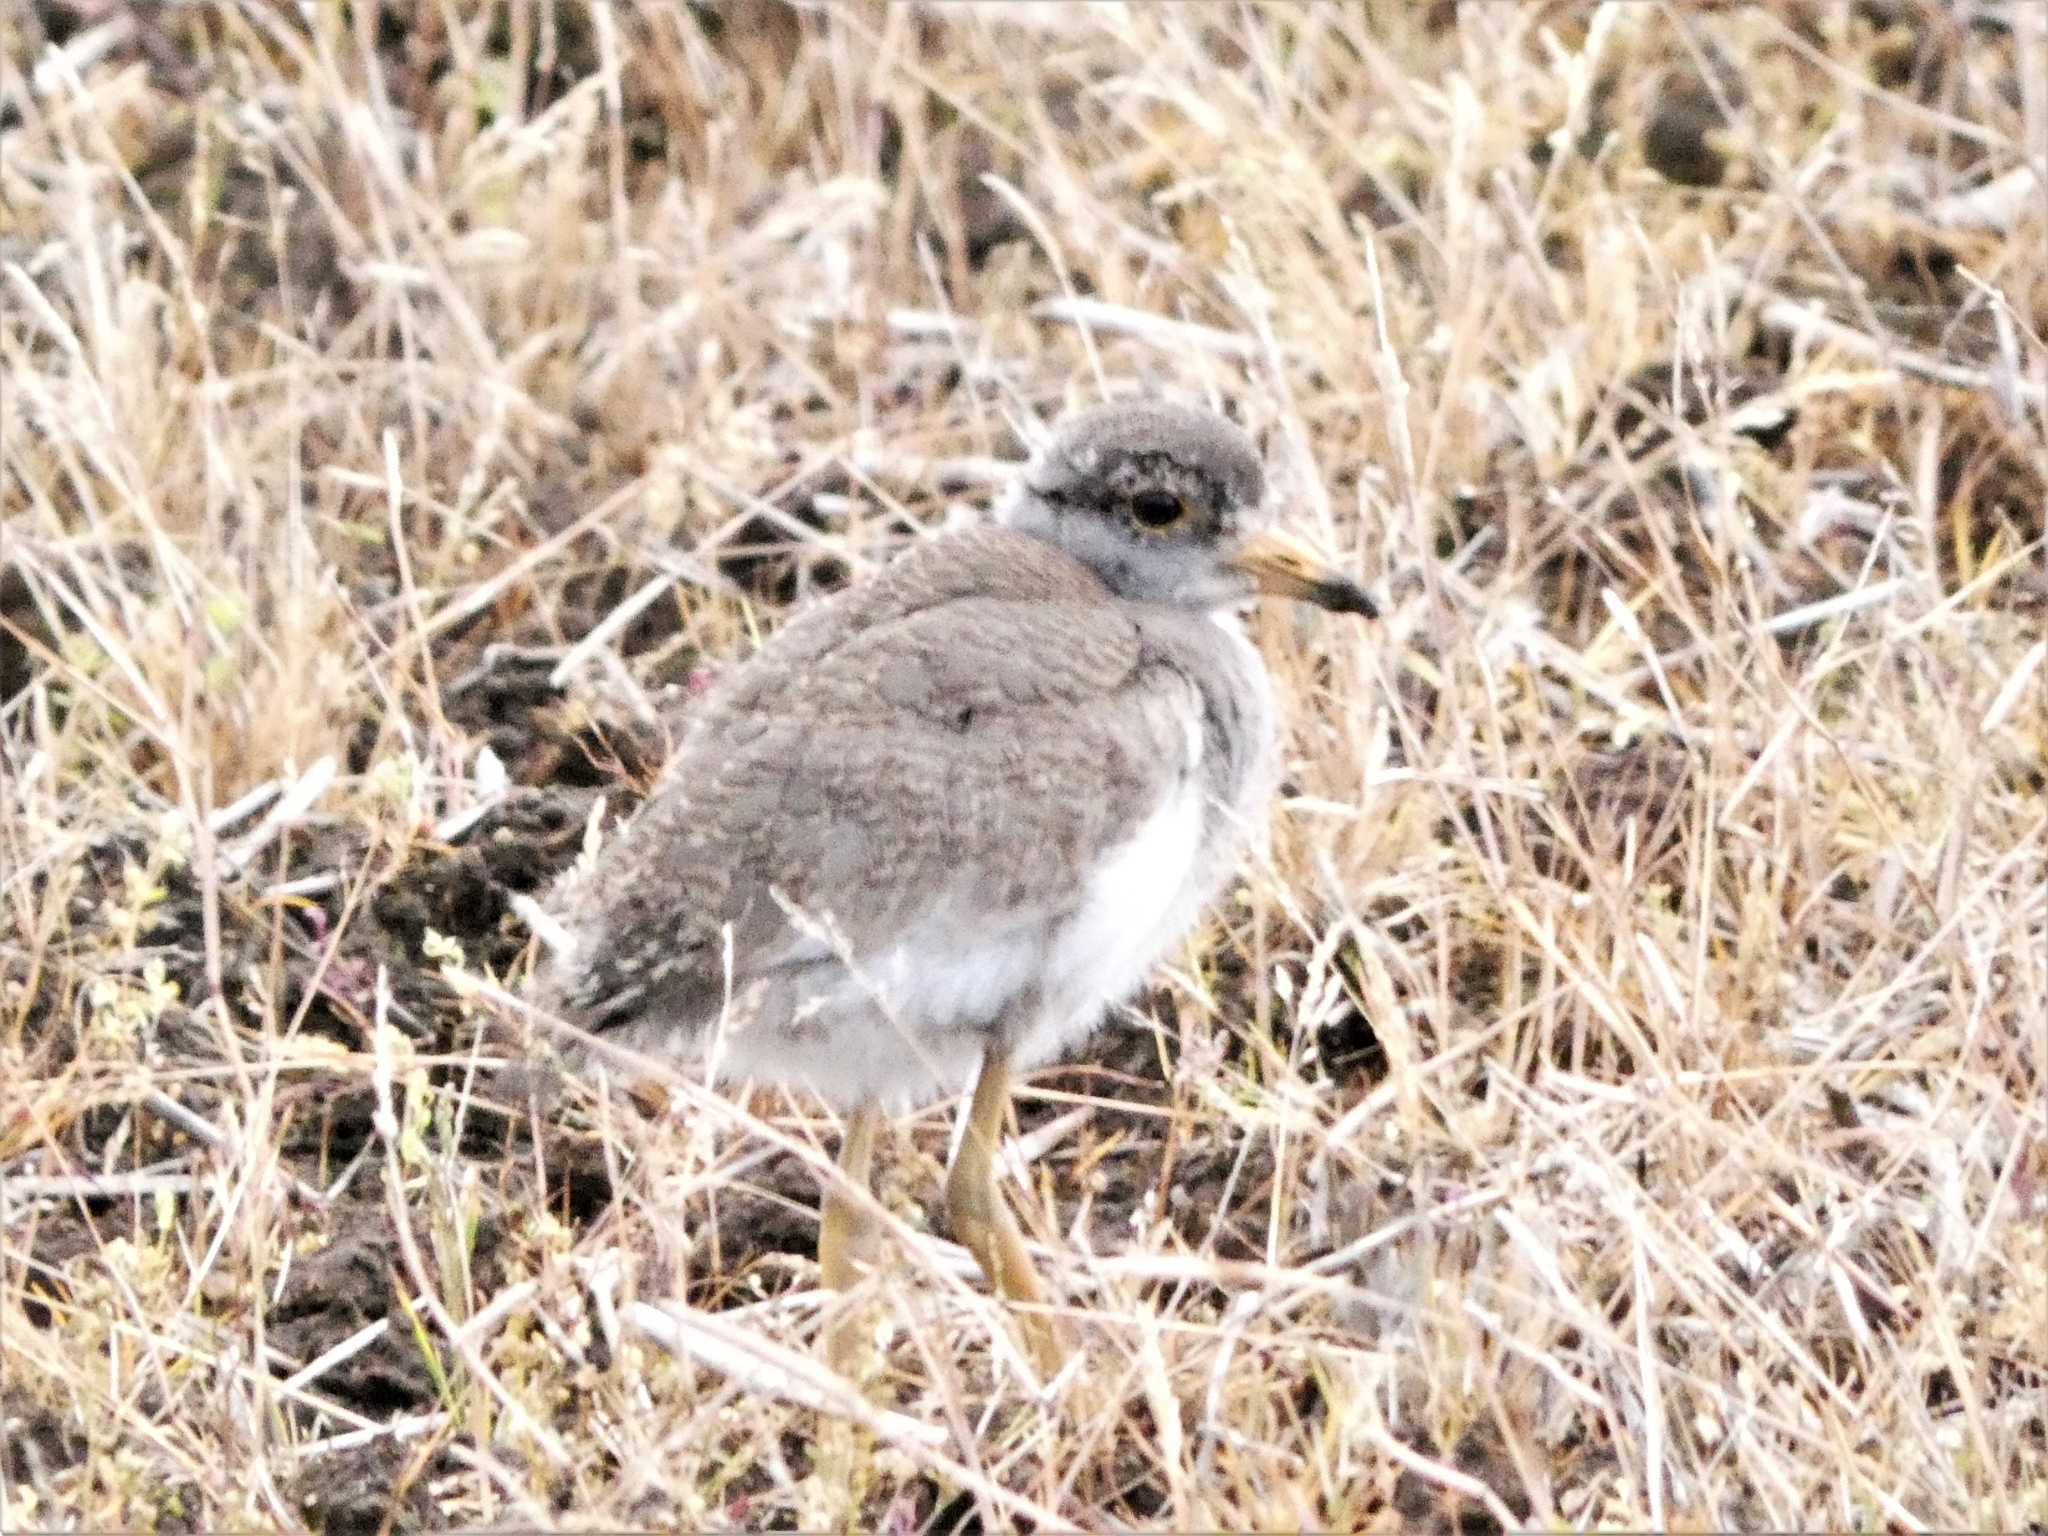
x=1283 y=566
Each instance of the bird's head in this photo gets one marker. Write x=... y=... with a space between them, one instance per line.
x=1166 y=504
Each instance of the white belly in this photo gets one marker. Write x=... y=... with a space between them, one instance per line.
x=912 y=1027
x=1140 y=900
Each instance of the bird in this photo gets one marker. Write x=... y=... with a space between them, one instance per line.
x=945 y=818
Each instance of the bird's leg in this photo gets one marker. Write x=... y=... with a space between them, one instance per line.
x=979 y=1216
x=845 y=1234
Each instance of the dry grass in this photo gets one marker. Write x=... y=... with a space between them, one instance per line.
x=1618 y=1101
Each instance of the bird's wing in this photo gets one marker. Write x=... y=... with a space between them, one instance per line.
x=968 y=749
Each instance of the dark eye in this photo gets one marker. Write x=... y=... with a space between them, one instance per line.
x=1157 y=509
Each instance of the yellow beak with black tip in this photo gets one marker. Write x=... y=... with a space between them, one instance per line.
x=1281 y=565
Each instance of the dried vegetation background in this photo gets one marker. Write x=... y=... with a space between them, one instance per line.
x=1618 y=1099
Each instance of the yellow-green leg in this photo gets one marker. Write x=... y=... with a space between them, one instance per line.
x=845 y=1234
x=846 y=1239
x=980 y=1217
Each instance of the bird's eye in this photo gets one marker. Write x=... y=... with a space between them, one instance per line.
x=1157 y=509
